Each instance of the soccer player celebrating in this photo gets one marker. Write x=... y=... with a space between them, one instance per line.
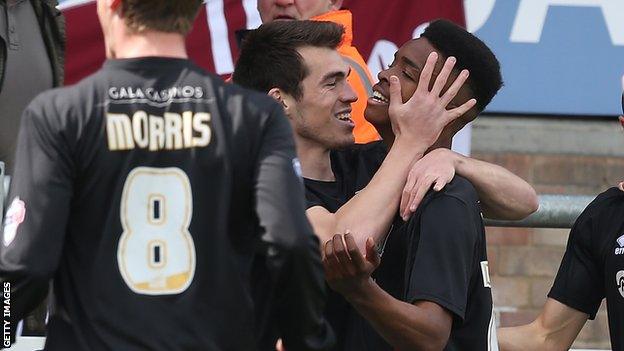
x=360 y=79
x=147 y=191
x=592 y=269
x=359 y=187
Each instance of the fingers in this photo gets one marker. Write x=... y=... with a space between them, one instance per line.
x=621 y=186
x=407 y=189
x=340 y=250
x=413 y=192
x=331 y=262
x=396 y=99
x=454 y=88
x=442 y=78
x=371 y=253
x=459 y=111
x=417 y=196
x=427 y=72
x=354 y=252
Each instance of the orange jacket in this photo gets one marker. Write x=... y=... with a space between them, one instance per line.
x=360 y=78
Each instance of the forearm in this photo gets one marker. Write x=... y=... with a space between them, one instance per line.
x=521 y=338
x=503 y=194
x=403 y=325
x=371 y=211
x=553 y=330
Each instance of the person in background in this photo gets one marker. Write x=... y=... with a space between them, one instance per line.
x=32 y=49
x=592 y=269
x=360 y=78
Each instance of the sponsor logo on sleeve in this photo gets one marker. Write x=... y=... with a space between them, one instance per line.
x=620 y=250
x=619 y=282
x=14 y=217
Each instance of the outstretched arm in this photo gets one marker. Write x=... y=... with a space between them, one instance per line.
x=503 y=195
x=554 y=329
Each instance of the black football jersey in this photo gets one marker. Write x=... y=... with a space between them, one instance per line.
x=439 y=255
x=593 y=265
x=147 y=192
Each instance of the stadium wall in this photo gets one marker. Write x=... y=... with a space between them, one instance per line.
x=574 y=156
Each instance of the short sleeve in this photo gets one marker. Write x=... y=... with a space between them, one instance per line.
x=578 y=282
x=443 y=261
x=312 y=199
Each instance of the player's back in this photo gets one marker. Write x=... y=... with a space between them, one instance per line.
x=158 y=163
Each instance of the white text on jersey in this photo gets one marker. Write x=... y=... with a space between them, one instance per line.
x=172 y=131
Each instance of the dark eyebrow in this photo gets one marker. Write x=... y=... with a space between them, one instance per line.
x=337 y=74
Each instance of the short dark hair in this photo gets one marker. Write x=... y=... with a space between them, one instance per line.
x=269 y=57
x=471 y=54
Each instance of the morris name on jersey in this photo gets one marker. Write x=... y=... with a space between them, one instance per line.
x=143 y=130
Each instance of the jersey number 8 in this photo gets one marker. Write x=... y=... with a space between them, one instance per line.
x=156 y=253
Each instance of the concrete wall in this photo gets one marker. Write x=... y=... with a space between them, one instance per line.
x=557 y=156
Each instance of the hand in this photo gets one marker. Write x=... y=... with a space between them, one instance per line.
x=346 y=270
x=423 y=117
x=437 y=168
x=280 y=345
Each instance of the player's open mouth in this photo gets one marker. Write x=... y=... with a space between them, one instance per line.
x=379 y=98
x=344 y=117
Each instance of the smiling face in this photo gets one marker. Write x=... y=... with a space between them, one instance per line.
x=272 y=10
x=407 y=65
x=322 y=116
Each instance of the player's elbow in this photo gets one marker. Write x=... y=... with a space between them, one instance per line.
x=528 y=206
x=532 y=204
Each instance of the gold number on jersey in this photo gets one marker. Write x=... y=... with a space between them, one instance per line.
x=156 y=253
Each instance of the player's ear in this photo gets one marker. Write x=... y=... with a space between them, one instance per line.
x=276 y=94
x=281 y=98
x=336 y=4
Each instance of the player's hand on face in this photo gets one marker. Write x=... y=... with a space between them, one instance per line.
x=423 y=117
x=347 y=271
x=436 y=169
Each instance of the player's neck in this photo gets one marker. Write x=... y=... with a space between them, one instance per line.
x=315 y=161
x=150 y=44
x=386 y=134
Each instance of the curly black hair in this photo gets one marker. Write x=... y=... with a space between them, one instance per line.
x=471 y=54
